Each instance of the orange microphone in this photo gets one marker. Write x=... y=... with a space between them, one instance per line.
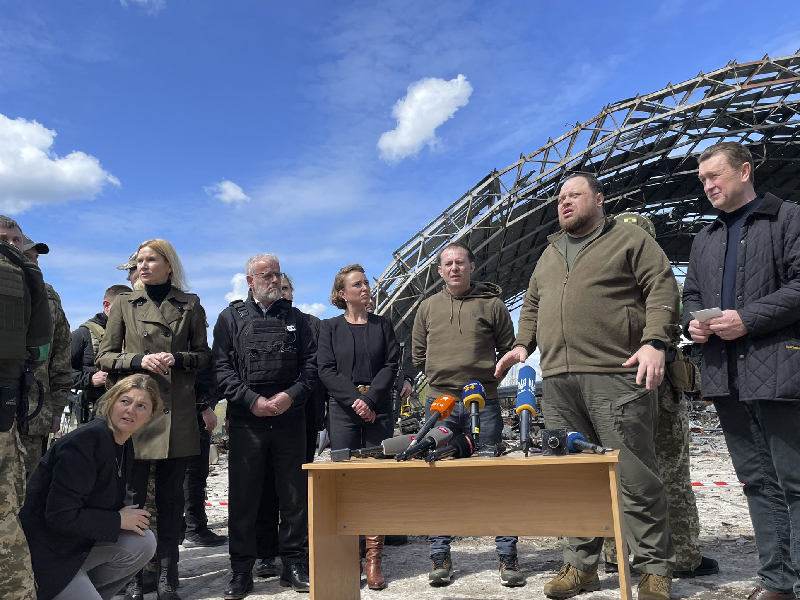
x=440 y=409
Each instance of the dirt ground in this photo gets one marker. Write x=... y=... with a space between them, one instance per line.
x=726 y=535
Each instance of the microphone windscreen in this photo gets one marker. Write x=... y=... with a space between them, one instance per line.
x=474 y=392
x=442 y=435
x=526 y=385
x=464 y=446
x=572 y=437
x=444 y=404
x=395 y=445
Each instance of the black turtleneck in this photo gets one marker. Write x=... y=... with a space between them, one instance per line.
x=157 y=292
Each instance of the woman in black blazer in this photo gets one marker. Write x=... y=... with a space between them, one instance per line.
x=75 y=515
x=357 y=359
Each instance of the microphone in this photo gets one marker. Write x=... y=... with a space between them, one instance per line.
x=388 y=447
x=474 y=398
x=460 y=447
x=577 y=443
x=526 y=405
x=437 y=437
x=441 y=408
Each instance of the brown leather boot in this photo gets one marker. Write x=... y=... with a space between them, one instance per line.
x=375 y=579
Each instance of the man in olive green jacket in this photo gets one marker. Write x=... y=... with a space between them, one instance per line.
x=55 y=374
x=602 y=300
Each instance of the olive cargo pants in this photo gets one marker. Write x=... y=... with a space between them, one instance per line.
x=611 y=410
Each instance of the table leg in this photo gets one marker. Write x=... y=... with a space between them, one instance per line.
x=619 y=534
x=333 y=559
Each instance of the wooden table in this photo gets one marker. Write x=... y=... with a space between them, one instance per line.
x=575 y=495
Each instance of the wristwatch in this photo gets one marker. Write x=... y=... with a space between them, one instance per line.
x=657 y=344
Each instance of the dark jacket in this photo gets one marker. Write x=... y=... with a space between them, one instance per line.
x=228 y=369
x=72 y=501
x=83 y=357
x=315 y=404
x=136 y=326
x=767 y=300
x=620 y=293
x=336 y=358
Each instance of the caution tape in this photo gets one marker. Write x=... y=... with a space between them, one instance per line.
x=716 y=483
x=216 y=503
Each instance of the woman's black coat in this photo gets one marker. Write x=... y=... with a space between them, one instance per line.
x=336 y=358
x=72 y=502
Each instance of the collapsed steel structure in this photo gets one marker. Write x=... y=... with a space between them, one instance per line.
x=644 y=150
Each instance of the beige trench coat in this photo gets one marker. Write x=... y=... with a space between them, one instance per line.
x=136 y=326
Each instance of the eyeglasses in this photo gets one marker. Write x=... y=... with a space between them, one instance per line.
x=274 y=276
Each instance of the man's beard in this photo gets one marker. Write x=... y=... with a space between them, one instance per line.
x=263 y=294
x=576 y=223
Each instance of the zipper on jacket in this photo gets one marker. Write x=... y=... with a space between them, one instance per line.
x=563 y=295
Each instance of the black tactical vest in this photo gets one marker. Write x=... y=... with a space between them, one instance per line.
x=267 y=346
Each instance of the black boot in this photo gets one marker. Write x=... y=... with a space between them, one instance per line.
x=240 y=585
x=134 y=589
x=166 y=589
x=149 y=579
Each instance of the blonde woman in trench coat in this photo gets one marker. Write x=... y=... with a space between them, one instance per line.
x=160 y=330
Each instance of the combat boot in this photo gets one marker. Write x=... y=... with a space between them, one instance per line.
x=167 y=572
x=654 y=587
x=375 y=580
x=134 y=589
x=570 y=582
x=510 y=575
x=441 y=569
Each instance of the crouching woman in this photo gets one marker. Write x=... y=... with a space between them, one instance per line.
x=85 y=541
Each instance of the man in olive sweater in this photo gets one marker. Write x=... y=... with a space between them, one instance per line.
x=456 y=339
x=602 y=300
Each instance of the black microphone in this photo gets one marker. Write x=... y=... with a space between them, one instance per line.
x=474 y=397
x=526 y=405
x=388 y=447
x=461 y=446
x=437 y=437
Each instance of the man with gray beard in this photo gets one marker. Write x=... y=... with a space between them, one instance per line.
x=264 y=362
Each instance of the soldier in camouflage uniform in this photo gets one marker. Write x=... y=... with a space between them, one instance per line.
x=55 y=374
x=672 y=452
x=25 y=332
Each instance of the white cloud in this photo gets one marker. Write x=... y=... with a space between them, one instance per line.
x=31 y=173
x=240 y=288
x=151 y=7
x=428 y=103
x=317 y=308
x=227 y=191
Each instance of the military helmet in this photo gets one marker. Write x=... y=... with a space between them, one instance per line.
x=637 y=219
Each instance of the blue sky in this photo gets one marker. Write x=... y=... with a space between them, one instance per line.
x=240 y=126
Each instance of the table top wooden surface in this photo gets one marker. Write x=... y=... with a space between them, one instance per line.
x=512 y=459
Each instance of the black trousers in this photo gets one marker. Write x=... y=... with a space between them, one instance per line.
x=348 y=430
x=267 y=521
x=267 y=460
x=311 y=431
x=194 y=486
x=169 y=476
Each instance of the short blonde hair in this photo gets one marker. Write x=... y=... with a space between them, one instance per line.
x=139 y=381
x=338 y=284
x=165 y=249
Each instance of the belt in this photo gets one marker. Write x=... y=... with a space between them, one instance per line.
x=363 y=389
